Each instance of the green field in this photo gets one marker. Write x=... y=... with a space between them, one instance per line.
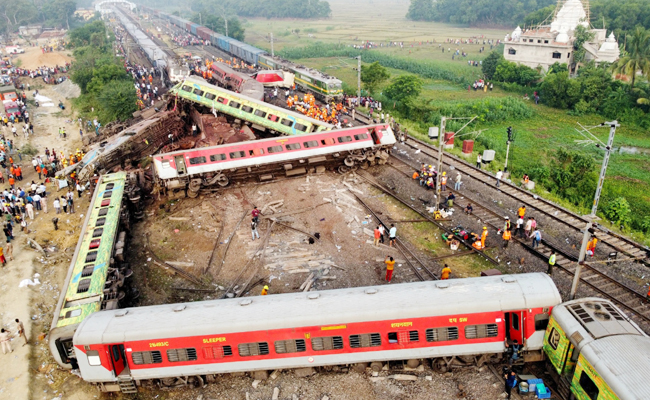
x=538 y=137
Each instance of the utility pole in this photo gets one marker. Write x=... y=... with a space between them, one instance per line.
x=359 y=80
x=591 y=218
x=272 y=52
x=226 y=20
x=441 y=142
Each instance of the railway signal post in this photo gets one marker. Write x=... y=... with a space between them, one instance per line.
x=592 y=217
x=511 y=138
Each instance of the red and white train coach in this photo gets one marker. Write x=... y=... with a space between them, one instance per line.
x=207 y=166
x=435 y=321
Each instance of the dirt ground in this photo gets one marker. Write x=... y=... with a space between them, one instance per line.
x=34 y=304
x=35 y=58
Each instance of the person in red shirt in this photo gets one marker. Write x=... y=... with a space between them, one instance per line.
x=377 y=236
x=256 y=214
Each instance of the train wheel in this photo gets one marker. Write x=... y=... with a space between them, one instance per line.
x=376 y=366
x=439 y=365
x=223 y=181
x=413 y=363
x=343 y=169
x=192 y=194
x=364 y=165
x=349 y=161
x=360 y=367
x=196 y=381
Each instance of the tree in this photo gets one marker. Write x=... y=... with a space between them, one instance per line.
x=537 y=17
x=582 y=36
x=373 y=75
x=618 y=211
x=560 y=91
x=637 y=57
x=118 y=101
x=404 y=87
x=490 y=63
x=421 y=10
x=557 y=67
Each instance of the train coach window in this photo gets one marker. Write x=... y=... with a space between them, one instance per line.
x=83 y=285
x=286 y=122
x=88 y=270
x=442 y=334
x=146 y=357
x=272 y=118
x=197 y=160
x=344 y=139
x=541 y=322
x=222 y=100
x=253 y=349
x=274 y=149
x=290 y=346
x=98 y=232
x=237 y=154
x=103 y=211
x=481 y=331
x=176 y=355
x=107 y=194
x=91 y=256
x=293 y=146
x=310 y=144
x=403 y=337
x=216 y=352
x=365 y=340
x=589 y=386
x=198 y=92
x=327 y=142
x=256 y=152
x=259 y=113
x=234 y=104
x=300 y=127
x=217 y=157
x=110 y=186
x=186 y=88
x=210 y=96
x=100 y=222
x=362 y=136
x=247 y=109
x=327 y=343
x=93 y=358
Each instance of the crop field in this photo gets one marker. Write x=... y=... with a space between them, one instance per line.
x=538 y=137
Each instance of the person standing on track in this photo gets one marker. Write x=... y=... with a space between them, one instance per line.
x=458 y=182
x=521 y=212
x=537 y=237
x=506 y=238
x=382 y=230
x=591 y=246
x=254 y=231
x=392 y=235
x=499 y=175
x=551 y=263
x=484 y=236
x=443 y=182
x=519 y=227
x=256 y=214
x=511 y=382
x=528 y=228
x=390 y=266
x=446 y=271
x=479 y=161
x=377 y=236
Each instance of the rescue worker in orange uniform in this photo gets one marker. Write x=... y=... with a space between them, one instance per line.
x=591 y=246
x=444 y=274
x=484 y=236
x=265 y=291
x=506 y=238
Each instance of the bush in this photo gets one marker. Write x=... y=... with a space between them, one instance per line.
x=618 y=211
x=29 y=150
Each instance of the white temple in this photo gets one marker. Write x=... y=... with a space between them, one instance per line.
x=547 y=44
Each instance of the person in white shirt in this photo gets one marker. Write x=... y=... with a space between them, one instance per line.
x=499 y=175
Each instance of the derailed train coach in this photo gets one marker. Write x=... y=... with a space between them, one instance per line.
x=461 y=321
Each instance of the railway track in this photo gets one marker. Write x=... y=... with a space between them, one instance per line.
x=560 y=214
x=633 y=302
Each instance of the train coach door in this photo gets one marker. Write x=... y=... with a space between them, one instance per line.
x=117 y=357
x=515 y=322
x=180 y=165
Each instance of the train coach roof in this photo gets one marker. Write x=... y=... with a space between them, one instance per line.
x=283 y=111
x=408 y=300
x=623 y=361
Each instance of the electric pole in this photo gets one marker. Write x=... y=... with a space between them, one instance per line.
x=441 y=142
x=591 y=218
x=359 y=80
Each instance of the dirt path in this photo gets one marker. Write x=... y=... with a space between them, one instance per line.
x=34 y=304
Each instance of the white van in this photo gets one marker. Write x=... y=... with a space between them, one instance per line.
x=14 y=50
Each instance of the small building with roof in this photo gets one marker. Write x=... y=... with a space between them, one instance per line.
x=547 y=44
